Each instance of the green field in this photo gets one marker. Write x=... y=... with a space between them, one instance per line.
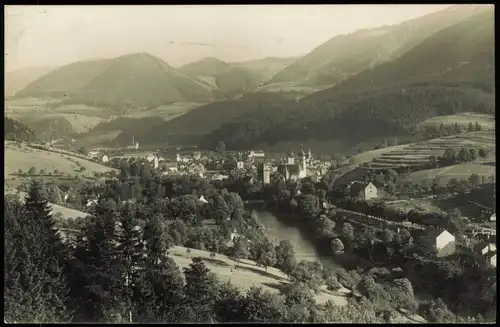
x=445 y=174
x=166 y=112
x=247 y=275
x=487 y=122
x=22 y=157
x=419 y=153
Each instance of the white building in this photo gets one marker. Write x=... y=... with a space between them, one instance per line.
x=105 y=158
x=240 y=165
x=364 y=191
x=485 y=248
x=442 y=243
x=493 y=217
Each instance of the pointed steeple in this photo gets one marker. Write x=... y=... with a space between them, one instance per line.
x=302 y=153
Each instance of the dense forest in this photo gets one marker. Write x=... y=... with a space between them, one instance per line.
x=17 y=131
x=107 y=258
x=51 y=128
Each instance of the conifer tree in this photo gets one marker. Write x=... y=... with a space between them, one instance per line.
x=98 y=278
x=199 y=299
x=131 y=250
x=36 y=288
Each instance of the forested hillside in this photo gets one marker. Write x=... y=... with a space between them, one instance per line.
x=14 y=130
x=450 y=72
x=51 y=128
x=346 y=55
x=199 y=122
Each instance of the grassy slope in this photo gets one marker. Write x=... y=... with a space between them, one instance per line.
x=445 y=174
x=407 y=153
x=25 y=157
x=246 y=276
x=463 y=120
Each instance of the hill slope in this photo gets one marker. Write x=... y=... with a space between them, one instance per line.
x=136 y=81
x=16 y=131
x=450 y=72
x=346 y=55
x=20 y=78
x=191 y=127
x=234 y=78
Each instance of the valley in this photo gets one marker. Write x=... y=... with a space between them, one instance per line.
x=228 y=180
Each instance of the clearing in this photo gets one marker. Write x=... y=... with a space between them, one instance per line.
x=445 y=174
x=248 y=274
x=166 y=112
x=487 y=122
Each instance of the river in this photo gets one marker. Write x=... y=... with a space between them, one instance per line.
x=304 y=248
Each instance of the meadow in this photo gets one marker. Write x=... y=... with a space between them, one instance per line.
x=21 y=157
x=487 y=122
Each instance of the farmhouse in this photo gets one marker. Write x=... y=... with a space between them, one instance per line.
x=363 y=190
x=484 y=248
x=104 y=158
x=492 y=259
x=441 y=243
x=94 y=154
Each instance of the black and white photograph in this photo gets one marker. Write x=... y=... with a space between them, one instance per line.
x=250 y=164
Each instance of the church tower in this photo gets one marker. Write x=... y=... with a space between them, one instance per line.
x=290 y=159
x=302 y=163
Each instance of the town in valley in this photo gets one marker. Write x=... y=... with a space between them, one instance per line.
x=346 y=178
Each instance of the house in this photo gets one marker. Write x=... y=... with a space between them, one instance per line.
x=363 y=190
x=493 y=217
x=256 y=154
x=289 y=172
x=492 y=259
x=169 y=168
x=219 y=177
x=264 y=173
x=240 y=165
x=94 y=154
x=439 y=242
x=104 y=158
x=202 y=199
x=91 y=202
x=485 y=248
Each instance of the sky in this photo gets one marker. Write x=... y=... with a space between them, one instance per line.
x=59 y=35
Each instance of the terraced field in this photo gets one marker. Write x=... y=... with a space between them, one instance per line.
x=418 y=154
